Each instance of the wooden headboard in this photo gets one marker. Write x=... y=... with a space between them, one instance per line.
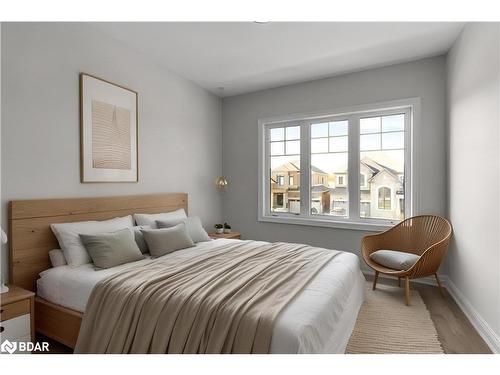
x=31 y=238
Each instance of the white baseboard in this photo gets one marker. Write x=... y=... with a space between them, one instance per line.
x=489 y=336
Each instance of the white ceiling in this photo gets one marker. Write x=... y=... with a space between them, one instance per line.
x=246 y=56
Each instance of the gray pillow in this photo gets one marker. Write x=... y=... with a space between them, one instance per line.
x=167 y=240
x=397 y=260
x=139 y=238
x=112 y=249
x=193 y=225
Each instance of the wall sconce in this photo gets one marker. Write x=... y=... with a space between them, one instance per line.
x=221 y=183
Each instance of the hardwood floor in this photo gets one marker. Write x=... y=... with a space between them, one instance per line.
x=455 y=332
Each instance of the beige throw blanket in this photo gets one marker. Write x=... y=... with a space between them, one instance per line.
x=223 y=301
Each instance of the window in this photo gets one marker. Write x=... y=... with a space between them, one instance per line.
x=362 y=180
x=279 y=200
x=329 y=147
x=350 y=169
x=382 y=156
x=284 y=160
x=384 y=198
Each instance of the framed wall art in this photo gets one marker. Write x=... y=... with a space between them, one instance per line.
x=108 y=131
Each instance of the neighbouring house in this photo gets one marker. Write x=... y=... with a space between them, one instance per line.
x=381 y=187
x=381 y=190
x=285 y=189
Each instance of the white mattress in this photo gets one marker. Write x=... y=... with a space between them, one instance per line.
x=320 y=319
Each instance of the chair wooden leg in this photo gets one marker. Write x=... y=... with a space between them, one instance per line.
x=439 y=285
x=399 y=282
x=407 y=290
x=375 y=280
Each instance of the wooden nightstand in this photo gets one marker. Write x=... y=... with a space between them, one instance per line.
x=17 y=315
x=232 y=235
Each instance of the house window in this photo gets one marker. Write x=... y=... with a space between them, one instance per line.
x=279 y=200
x=281 y=180
x=348 y=170
x=362 y=180
x=384 y=198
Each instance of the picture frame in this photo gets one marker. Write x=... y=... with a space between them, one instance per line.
x=109 y=125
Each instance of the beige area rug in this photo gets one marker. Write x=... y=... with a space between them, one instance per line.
x=386 y=325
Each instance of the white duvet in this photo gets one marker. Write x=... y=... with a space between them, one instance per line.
x=320 y=319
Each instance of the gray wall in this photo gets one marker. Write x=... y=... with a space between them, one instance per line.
x=3 y=278
x=424 y=78
x=179 y=123
x=473 y=92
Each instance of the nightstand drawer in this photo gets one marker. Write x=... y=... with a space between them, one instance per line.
x=14 y=309
x=15 y=328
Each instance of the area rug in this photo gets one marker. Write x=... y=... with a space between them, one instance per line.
x=386 y=325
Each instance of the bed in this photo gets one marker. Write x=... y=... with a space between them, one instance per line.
x=319 y=319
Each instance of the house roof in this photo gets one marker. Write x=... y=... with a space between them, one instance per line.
x=319 y=188
x=373 y=166
x=377 y=167
x=317 y=170
x=293 y=166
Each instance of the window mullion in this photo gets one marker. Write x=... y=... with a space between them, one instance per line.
x=305 y=169
x=353 y=168
x=408 y=185
x=267 y=172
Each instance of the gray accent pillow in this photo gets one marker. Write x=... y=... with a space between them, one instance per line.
x=167 y=240
x=112 y=249
x=397 y=260
x=139 y=238
x=193 y=225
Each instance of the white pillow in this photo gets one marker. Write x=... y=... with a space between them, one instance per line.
x=57 y=258
x=150 y=219
x=193 y=226
x=68 y=235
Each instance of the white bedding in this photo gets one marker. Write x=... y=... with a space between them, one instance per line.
x=320 y=319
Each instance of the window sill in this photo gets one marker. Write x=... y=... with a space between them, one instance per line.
x=326 y=223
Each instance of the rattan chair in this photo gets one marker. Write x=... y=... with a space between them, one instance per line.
x=427 y=236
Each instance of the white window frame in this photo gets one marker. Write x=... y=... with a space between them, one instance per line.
x=411 y=108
